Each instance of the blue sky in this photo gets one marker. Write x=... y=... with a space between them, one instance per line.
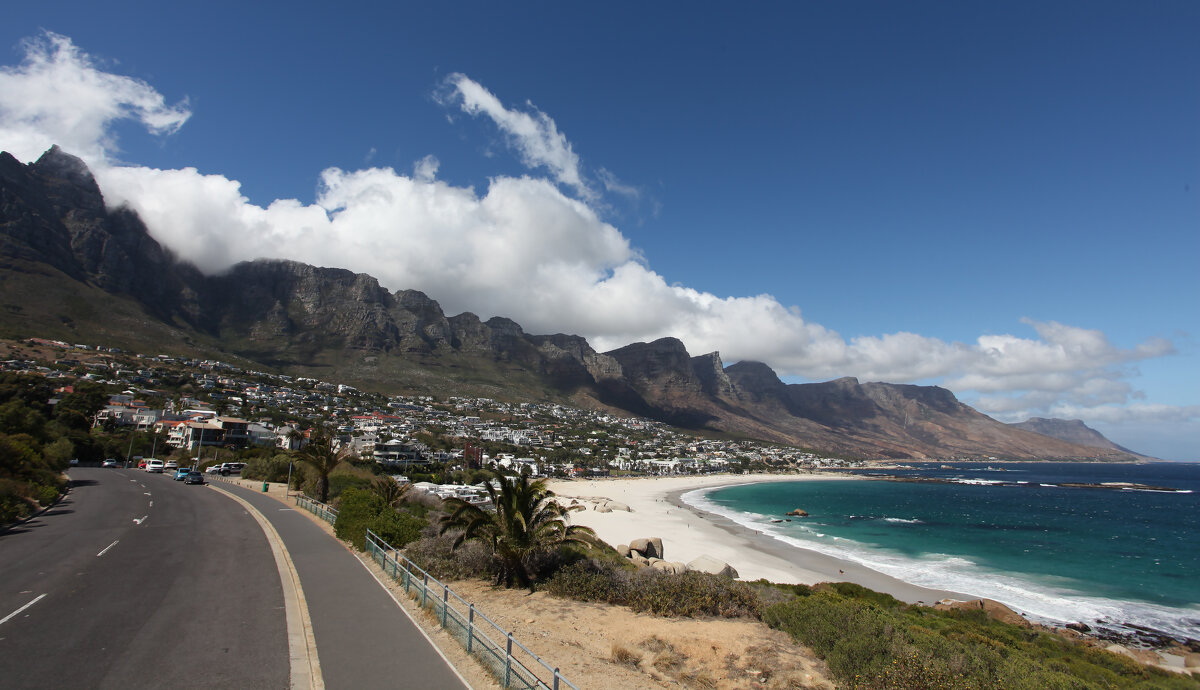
x=1001 y=198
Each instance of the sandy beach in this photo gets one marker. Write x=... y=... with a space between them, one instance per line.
x=656 y=511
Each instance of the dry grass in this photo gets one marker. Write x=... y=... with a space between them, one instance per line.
x=625 y=656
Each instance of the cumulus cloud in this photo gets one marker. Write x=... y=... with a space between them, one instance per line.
x=57 y=96
x=524 y=249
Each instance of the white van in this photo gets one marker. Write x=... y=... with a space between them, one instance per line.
x=153 y=465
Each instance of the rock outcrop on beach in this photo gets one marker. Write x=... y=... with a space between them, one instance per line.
x=712 y=566
x=76 y=269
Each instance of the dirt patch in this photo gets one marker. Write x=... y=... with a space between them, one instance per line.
x=599 y=645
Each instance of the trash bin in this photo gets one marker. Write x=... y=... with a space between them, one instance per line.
x=264 y=487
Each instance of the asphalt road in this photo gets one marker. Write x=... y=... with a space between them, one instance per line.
x=363 y=638
x=138 y=581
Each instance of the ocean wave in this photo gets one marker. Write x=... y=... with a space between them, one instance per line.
x=905 y=521
x=1042 y=599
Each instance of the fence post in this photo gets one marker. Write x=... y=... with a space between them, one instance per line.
x=424 y=588
x=445 y=595
x=508 y=661
x=470 y=627
x=555 y=678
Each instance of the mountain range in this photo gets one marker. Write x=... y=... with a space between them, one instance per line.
x=72 y=268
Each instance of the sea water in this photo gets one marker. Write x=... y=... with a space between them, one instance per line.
x=1009 y=531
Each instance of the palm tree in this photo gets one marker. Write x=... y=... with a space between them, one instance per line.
x=527 y=520
x=391 y=491
x=321 y=457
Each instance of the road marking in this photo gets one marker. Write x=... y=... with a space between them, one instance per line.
x=147 y=493
x=14 y=613
x=151 y=504
x=142 y=520
x=105 y=549
x=302 y=643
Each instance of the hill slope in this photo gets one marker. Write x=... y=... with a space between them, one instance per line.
x=74 y=269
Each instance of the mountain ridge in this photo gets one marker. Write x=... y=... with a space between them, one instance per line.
x=75 y=266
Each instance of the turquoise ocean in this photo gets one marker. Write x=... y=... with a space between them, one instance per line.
x=1115 y=558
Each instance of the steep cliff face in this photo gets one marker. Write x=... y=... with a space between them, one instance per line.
x=70 y=264
x=52 y=212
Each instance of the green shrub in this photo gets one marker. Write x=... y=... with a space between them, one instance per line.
x=397 y=528
x=361 y=509
x=870 y=640
x=432 y=553
x=688 y=594
x=357 y=509
x=14 y=501
x=46 y=495
x=267 y=469
x=340 y=482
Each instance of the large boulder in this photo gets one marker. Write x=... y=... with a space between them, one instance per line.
x=617 y=505
x=712 y=566
x=651 y=547
x=603 y=508
x=623 y=550
x=799 y=512
x=672 y=567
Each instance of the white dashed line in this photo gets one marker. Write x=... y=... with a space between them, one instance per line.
x=14 y=613
x=105 y=549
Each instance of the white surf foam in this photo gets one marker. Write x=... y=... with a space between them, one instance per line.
x=1043 y=599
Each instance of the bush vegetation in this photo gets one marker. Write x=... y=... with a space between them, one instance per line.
x=664 y=594
x=38 y=442
x=870 y=640
x=360 y=510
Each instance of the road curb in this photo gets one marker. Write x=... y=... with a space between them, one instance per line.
x=302 y=645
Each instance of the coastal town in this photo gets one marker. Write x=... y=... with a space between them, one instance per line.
x=207 y=405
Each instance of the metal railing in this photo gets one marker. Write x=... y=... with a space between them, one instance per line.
x=326 y=513
x=499 y=651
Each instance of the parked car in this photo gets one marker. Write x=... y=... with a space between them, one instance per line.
x=109 y=463
x=182 y=473
x=153 y=465
x=194 y=477
x=171 y=465
x=226 y=468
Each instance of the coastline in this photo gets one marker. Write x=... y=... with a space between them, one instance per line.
x=687 y=532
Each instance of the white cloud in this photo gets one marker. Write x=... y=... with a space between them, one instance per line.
x=426 y=169
x=526 y=250
x=532 y=134
x=57 y=96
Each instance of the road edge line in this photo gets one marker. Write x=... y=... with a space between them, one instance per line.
x=416 y=624
x=305 y=666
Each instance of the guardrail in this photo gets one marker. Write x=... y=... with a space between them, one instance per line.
x=500 y=651
x=326 y=513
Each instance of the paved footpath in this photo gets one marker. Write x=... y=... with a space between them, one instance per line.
x=364 y=639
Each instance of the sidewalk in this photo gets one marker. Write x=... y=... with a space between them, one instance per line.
x=363 y=638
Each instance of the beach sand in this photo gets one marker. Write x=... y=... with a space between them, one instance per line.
x=688 y=533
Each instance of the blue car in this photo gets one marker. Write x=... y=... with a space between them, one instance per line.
x=182 y=473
